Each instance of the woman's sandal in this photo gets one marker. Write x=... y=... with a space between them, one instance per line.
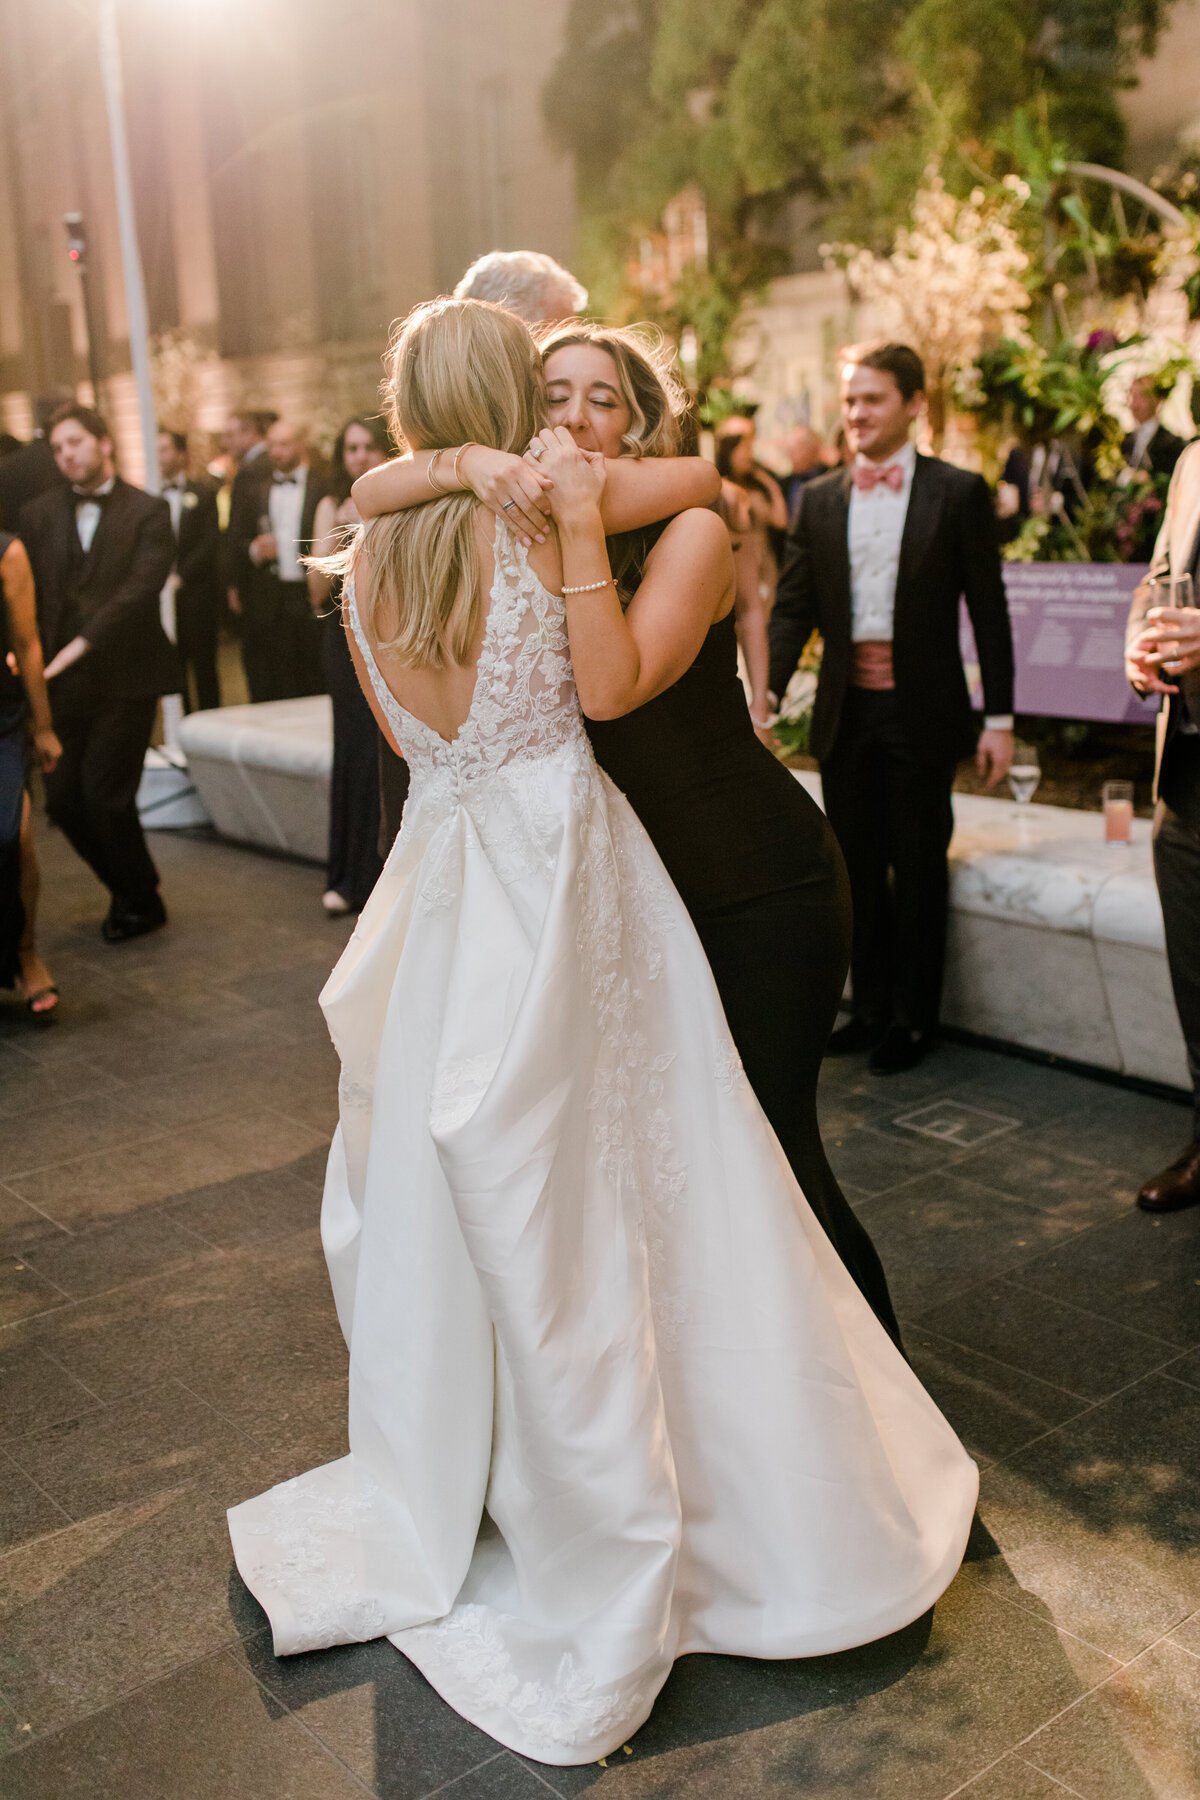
x=42 y=1014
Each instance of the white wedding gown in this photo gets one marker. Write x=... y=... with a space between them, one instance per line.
x=613 y=1397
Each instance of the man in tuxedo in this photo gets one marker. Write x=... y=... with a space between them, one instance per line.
x=271 y=529
x=32 y=469
x=1149 y=447
x=1162 y=656
x=245 y=440
x=196 y=575
x=101 y=552
x=878 y=557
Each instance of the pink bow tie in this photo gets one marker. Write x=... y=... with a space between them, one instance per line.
x=867 y=475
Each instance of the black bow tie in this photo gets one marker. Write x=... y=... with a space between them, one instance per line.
x=82 y=499
x=286 y=480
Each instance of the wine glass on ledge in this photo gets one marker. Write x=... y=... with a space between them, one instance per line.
x=1025 y=771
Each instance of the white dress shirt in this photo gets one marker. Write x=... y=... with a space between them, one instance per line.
x=1142 y=439
x=876 y=531
x=87 y=512
x=876 y=527
x=285 y=504
x=173 y=492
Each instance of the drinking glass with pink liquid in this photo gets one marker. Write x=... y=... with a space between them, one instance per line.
x=1118 y=811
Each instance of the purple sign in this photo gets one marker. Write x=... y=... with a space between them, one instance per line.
x=1068 y=626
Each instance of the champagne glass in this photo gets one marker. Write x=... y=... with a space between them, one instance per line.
x=1024 y=773
x=1183 y=591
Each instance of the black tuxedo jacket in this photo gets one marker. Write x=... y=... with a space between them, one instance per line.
x=1162 y=453
x=24 y=475
x=948 y=550
x=197 y=547
x=247 y=506
x=111 y=595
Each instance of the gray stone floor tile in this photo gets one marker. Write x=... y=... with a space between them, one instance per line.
x=1187 y=1635
x=1086 y=1568
x=875 y=1159
x=938 y=1234
x=52 y=1134
x=1131 y=1462
x=1124 y=1130
x=372 y=1709
x=1187 y=1368
x=1035 y=1093
x=23 y=1292
x=35 y=1391
x=1032 y=1331
x=1023 y=1167
x=505 y=1777
x=249 y=1209
x=1012 y=1778
x=105 y=1256
x=298 y=1079
x=22 y=1226
x=870 y=1723
x=94 y=1611
x=25 y=1510
x=207 y=1732
x=212 y=1319
x=1139 y=1270
x=123 y=1452
x=1135 y=1738
x=27 y=1086
x=105 y=1185
x=994 y=1407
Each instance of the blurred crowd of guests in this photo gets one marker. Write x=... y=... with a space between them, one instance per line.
x=114 y=598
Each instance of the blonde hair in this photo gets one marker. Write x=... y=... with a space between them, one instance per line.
x=658 y=401
x=458 y=371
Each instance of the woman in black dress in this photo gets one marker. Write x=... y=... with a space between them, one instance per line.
x=354 y=864
x=24 y=712
x=753 y=858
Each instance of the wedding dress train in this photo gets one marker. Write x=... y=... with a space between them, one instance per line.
x=613 y=1397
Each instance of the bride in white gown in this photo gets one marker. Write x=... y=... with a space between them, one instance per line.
x=613 y=1397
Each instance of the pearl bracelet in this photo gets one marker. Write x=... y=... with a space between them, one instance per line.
x=591 y=587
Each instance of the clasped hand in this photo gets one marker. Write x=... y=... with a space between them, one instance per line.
x=519 y=488
x=1168 y=644
x=576 y=477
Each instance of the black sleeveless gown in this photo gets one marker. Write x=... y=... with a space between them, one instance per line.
x=12 y=795
x=757 y=865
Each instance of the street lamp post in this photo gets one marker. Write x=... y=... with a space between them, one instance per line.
x=131 y=260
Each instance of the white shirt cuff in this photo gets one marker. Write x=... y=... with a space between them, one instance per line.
x=998 y=722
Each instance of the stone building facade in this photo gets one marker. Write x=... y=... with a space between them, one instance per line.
x=305 y=171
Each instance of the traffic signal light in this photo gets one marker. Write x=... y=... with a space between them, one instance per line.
x=76 y=238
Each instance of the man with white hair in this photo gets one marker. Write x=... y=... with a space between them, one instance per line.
x=527 y=282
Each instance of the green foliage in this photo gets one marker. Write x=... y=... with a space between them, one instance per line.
x=757 y=99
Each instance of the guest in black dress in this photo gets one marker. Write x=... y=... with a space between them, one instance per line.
x=354 y=861
x=24 y=714
x=754 y=859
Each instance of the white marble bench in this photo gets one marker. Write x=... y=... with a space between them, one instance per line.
x=263 y=772
x=1056 y=938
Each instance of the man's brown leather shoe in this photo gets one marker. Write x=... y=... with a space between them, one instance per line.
x=1176 y=1187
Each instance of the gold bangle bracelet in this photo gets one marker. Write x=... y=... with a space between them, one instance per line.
x=435 y=485
x=458 y=456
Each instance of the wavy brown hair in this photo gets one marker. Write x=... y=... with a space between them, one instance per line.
x=661 y=412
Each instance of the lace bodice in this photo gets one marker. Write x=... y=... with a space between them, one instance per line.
x=524 y=703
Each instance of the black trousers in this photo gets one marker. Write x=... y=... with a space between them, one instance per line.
x=281 y=640
x=354 y=861
x=197 y=620
x=894 y=820
x=92 y=794
x=1177 y=871
x=782 y=958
